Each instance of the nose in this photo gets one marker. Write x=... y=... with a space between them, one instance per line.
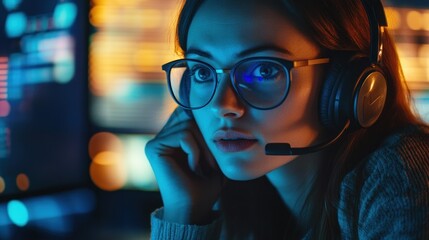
x=226 y=103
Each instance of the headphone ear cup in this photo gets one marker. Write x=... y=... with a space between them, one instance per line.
x=370 y=97
x=329 y=89
x=354 y=90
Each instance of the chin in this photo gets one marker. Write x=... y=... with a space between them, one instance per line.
x=240 y=176
x=240 y=170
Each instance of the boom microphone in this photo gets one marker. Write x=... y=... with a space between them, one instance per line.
x=286 y=149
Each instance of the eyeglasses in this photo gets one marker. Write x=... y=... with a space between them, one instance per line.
x=261 y=82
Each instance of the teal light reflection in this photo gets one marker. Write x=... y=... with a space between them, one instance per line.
x=11 y=4
x=18 y=213
x=16 y=23
x=65 y=15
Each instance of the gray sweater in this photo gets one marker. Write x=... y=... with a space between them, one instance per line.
x=392 y=193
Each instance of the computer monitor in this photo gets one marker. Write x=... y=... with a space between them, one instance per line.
x=43 y=97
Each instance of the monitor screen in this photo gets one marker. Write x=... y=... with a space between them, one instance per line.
x=43 y=100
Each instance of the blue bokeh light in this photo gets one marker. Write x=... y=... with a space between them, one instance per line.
x=11 y=4
x=55 y=210
x=65 y=15
x=18 y=213
x=16 y=23
x=4 y=219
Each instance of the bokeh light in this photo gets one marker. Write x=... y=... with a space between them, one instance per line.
x=415 y=20
x=64 y=67
x=50 y=212
x=18 y=213
x=4 y=108
x=426 y=20
x=108 y=171
x=16 y=23
x=423 y=54
x=65 y=15
x=104 y=142
x=4 y=104
x=22 y=182
x=11 y=4
x=2 y=185
x=139 y=172
x=132 y=41
x=120 y=161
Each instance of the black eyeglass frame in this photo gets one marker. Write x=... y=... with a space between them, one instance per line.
x=287 y=64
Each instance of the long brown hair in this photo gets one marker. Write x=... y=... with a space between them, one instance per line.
x=336 y=25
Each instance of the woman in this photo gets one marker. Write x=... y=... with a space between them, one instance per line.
x=257 y=73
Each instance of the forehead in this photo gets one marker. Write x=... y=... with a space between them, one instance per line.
x=228 y=27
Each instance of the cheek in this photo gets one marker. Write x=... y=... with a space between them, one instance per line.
x=205 y=121
x=202 y=118
x=304 y=94
x=298 y=116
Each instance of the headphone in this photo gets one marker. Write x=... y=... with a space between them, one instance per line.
x=355 y=90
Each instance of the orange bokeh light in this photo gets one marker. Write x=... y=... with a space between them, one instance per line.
x=104 y=142
x=108 y=171
x=23 y=182
x=415 y=20
x=2 y=185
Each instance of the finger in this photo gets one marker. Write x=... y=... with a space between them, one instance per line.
x=191 y=148
x=177 y=116
x=182 y=136
x=175 y=129
x=167 y=162
x=204 y=162
x=209 y=163
x=188 y=138
x=177 y=138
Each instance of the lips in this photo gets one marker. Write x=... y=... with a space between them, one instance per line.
x=233 y=141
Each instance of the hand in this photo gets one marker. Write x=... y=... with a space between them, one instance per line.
x=187 y=174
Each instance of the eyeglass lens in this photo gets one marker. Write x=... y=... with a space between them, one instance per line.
x=261 y=83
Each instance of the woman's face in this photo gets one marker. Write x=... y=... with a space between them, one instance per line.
x=225 y=32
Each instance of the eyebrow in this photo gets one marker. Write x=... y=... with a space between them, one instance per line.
x=249 y=51
x=198 y=52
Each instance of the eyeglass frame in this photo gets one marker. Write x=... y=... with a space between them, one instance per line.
x=287 y=64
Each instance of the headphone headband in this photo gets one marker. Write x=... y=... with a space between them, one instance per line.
x=377 y=21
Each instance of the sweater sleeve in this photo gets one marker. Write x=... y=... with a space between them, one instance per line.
x=163 y=230
x=393 y=198
x=395 y=205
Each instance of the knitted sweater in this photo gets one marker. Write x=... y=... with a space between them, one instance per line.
x=392 y=193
